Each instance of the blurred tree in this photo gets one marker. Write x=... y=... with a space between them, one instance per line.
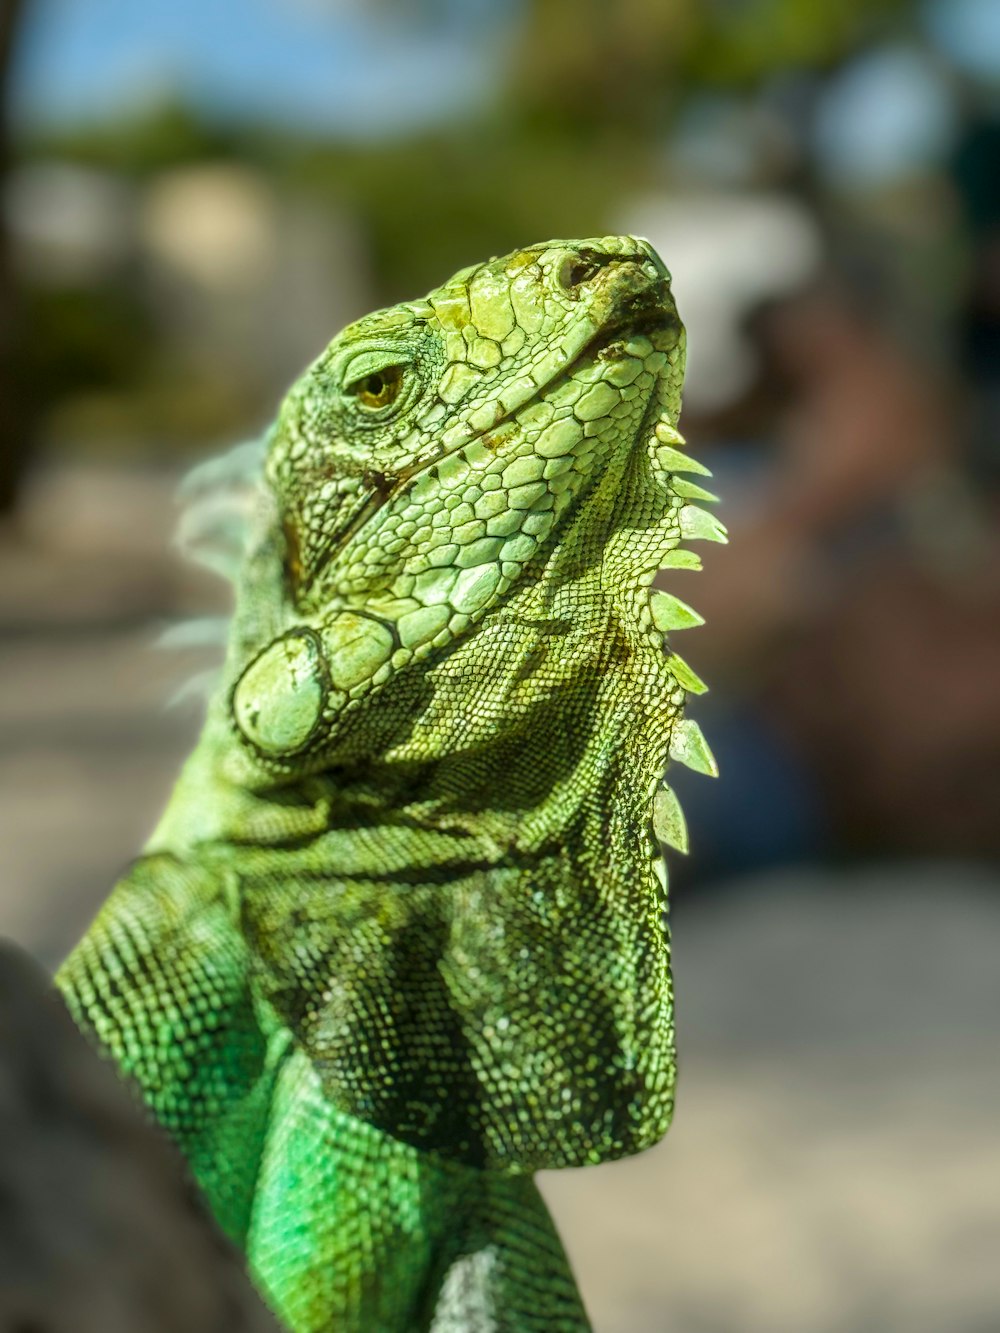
x=620 y=70
x=587 y=97
x=163 y=134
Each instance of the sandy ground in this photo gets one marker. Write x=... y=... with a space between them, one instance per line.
x=835 y=1162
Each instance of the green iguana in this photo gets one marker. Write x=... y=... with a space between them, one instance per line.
x=398 y=941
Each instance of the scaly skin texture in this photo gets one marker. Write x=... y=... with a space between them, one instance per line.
x=398 y=941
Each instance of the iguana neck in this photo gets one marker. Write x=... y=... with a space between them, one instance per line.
x=567 y=744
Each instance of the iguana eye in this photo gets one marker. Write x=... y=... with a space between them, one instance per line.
x=378 y=389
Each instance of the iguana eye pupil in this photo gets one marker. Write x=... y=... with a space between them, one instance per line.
x=379 y=388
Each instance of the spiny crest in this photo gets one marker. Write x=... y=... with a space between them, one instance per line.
x=218 y=496
x=667 y=613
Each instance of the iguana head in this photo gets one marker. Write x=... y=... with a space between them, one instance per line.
x=527 y=359
x=441 y=453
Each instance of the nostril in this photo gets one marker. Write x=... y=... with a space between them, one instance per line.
x=579 y=268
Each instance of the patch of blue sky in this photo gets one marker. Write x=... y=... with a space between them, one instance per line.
x=326 y=65
x=969 y=32
x=886 y=114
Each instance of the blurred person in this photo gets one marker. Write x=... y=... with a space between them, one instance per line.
x=857 y=635
x=854 y=426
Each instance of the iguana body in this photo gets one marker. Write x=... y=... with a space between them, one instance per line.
x=398 y=941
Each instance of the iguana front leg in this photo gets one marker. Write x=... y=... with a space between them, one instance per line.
x=161 y=982
x=348 y=1219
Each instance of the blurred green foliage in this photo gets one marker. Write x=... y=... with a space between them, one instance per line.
x=624 y=68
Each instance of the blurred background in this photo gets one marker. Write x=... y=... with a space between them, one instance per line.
x=196 y=196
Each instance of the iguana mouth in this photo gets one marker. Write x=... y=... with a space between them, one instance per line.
x=618 y=335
